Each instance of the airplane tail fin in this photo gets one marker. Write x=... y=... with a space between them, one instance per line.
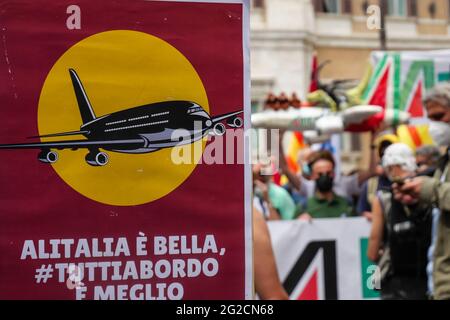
x=86 y=111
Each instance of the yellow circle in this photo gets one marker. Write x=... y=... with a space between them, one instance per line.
x=119 y=70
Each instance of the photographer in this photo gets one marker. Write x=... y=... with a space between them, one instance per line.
x=427 y=157
x=399 y=238
x=434 y=192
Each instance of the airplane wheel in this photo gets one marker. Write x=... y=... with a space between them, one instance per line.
x=219 y=129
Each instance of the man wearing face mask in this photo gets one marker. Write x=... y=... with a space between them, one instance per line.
x=307 y=184
x=324 y=203
x=435 y=192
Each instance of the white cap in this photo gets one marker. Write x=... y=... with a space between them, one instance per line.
x=400 y=154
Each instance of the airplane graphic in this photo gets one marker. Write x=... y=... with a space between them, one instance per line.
x=137 y=130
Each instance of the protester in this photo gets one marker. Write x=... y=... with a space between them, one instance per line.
x=402 y=236
x=375 y=184
x=319 y=167
x=267 y=281
x=274 y=198
x=427 y=192
x=427 y=158
x=324 y=203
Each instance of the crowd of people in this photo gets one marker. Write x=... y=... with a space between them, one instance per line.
x=405 y=194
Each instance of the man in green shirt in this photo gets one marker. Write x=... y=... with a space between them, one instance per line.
x=330 y=206
x=325 y=203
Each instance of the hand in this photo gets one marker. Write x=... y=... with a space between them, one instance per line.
x=368 y=215
x=409 y=192
x=264 y=189
x=305 y=217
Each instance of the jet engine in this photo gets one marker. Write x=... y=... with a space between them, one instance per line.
x=235 y=122
x=97 y=159
x=219 y=129
x=47 y=156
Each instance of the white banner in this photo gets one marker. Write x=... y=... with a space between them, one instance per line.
x=325 y=259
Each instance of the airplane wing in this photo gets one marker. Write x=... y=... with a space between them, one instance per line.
x=226 y=116
x=76 y=144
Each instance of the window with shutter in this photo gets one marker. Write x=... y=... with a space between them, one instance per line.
x=329 y=6
x=412 y=8
x=258 y=4
x=397 y=8
x=318 y=5
x=346 y=6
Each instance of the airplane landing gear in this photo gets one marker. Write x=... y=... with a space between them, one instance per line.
x=97 y=158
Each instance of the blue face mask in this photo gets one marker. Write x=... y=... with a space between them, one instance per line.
x=306 y=169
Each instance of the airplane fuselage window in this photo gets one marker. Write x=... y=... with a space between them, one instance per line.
x=192 y=110
x=139 y=118
x=115 y=122
x=160 y=114
x=137 y=126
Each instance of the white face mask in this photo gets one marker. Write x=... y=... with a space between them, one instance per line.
x=440 y=132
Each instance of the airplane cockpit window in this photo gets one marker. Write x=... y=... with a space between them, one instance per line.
x=194 y=109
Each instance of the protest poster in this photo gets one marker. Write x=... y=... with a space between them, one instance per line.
x=112 y=185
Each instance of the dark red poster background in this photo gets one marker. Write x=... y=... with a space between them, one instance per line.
x=36 y=204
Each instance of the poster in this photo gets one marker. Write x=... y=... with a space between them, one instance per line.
x=116 y=176
x=325 y=259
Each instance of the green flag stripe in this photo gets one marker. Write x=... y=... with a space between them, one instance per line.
x=376 y=77
x=397 y=80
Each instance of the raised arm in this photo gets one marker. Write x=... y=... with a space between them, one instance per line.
x=376 y=234
x=363 y=176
